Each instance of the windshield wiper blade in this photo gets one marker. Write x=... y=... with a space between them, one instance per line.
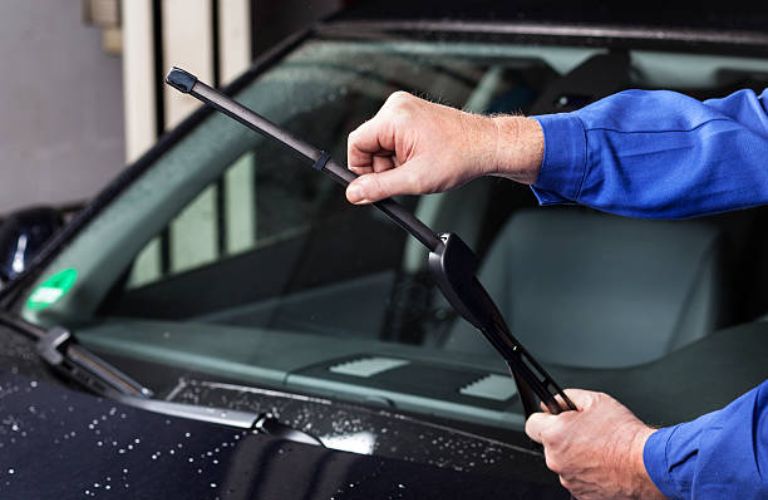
x=59 y=349
x=451 y=261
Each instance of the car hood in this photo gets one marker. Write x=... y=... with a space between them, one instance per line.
x=65 y=444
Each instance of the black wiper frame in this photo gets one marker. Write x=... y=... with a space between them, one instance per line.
x=451 y=261
x=59 y=349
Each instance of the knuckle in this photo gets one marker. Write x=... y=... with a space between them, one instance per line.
x=399 y=96
x=415 y=181
x=376 y=189
x=552 y=463
x=601 y=398
x=398 y=106
x=551 y=434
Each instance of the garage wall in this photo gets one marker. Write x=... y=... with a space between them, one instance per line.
x=61 y=109
x=62 y=125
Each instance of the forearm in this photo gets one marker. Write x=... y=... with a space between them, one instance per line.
x=518 y=146
x=657 y=154
x=720 y=455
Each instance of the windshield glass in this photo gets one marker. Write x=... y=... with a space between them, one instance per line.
x=230 y=257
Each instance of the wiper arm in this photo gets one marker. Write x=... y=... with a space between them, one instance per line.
x=260 y=423
x=59 y=349
x=451 y=261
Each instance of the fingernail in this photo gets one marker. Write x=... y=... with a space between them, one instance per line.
x=355 y=193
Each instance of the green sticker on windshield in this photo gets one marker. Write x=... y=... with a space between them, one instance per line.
x=52 y=289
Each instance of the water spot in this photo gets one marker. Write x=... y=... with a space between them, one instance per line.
x=187 y=434
x=11 y=471
x=401 y=486
x=33 y=383
x=190 y=459
x=213 y=485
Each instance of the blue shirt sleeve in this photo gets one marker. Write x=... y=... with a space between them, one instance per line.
x=658 y=154
x=723 y=454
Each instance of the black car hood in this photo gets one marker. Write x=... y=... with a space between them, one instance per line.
x=57 y=443
x=706 y=15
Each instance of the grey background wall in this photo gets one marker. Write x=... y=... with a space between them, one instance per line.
x=62 y=123
x=61 y=108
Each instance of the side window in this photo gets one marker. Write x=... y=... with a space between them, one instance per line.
x=220 y=221
x=261 y=198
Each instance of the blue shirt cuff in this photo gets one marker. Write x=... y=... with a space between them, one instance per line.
x=565 y=159
x=656 y=463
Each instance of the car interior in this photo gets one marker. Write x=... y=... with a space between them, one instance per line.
x=336 y=300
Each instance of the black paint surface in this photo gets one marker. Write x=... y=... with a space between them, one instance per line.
x=57 y=443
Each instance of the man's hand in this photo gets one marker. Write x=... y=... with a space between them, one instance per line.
x=597 y=450
x=413 y=146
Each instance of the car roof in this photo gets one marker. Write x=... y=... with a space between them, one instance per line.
x=705 y=15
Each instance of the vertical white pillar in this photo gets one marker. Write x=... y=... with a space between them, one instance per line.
x=188 y=42
x=239 y=187
x=140 y=108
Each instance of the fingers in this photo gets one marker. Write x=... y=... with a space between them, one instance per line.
x=538 y=424
x=581 y=398
x=373 y=187
x=369 y=143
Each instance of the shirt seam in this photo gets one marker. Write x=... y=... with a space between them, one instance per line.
x=664 y=131
x=672 y=479
x=585 y=154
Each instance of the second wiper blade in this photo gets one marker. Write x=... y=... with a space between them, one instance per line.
x=60 y=350
x=451 y=261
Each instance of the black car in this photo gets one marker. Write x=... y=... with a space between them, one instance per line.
x=265 y=315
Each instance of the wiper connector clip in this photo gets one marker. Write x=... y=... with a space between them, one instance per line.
x=51 y=346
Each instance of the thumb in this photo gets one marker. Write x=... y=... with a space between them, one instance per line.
x=537 y=424
x=369 y=188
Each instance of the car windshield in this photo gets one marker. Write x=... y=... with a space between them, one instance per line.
x=230 y=258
